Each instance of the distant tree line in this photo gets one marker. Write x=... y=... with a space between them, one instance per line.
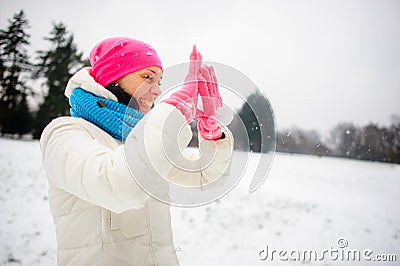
x=55 y=65
x=369 y=142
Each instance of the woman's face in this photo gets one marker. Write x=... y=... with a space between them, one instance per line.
x=144 y=86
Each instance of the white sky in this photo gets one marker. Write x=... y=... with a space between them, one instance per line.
x=318 y=62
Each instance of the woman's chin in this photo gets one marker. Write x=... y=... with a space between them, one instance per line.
x=144 y=109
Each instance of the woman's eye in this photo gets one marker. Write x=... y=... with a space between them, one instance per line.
x=149 y=78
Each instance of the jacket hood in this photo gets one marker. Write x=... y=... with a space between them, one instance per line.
x=83 y=79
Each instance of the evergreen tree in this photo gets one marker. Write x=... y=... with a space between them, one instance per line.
x=260 y=130
x=15 y=116
x=56 y=65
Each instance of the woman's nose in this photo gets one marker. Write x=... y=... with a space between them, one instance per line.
x=155 y=90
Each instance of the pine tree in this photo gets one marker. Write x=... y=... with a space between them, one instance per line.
x=260 y=130
x=15 y=116
x=56 y=65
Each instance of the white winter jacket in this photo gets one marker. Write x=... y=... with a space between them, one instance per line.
x=101 y=214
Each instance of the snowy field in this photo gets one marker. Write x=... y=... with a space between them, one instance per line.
x=306 y=203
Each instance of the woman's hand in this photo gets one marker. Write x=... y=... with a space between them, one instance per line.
x=185 y=99
x=207 y=125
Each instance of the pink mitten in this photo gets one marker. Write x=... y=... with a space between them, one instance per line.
x=185 y=99
x=207 y=125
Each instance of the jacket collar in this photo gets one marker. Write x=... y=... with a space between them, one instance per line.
x=83 y=79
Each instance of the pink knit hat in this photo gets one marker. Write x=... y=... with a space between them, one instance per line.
x=114 y=58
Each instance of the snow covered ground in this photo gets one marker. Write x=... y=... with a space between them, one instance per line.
x=306 y=203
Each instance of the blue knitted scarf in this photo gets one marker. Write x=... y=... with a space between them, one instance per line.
x=113 y=117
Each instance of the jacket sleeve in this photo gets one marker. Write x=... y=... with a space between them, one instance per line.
x=213 y=161
x=160 y=142
x=79 y=164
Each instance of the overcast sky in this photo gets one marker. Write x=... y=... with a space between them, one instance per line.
x=318 y=62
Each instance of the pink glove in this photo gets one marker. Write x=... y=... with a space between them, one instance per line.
x=185 y=99
x=207 y=124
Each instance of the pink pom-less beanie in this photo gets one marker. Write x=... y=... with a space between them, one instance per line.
x=114 y=58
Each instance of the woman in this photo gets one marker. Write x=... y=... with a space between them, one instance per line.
x=101 y=214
